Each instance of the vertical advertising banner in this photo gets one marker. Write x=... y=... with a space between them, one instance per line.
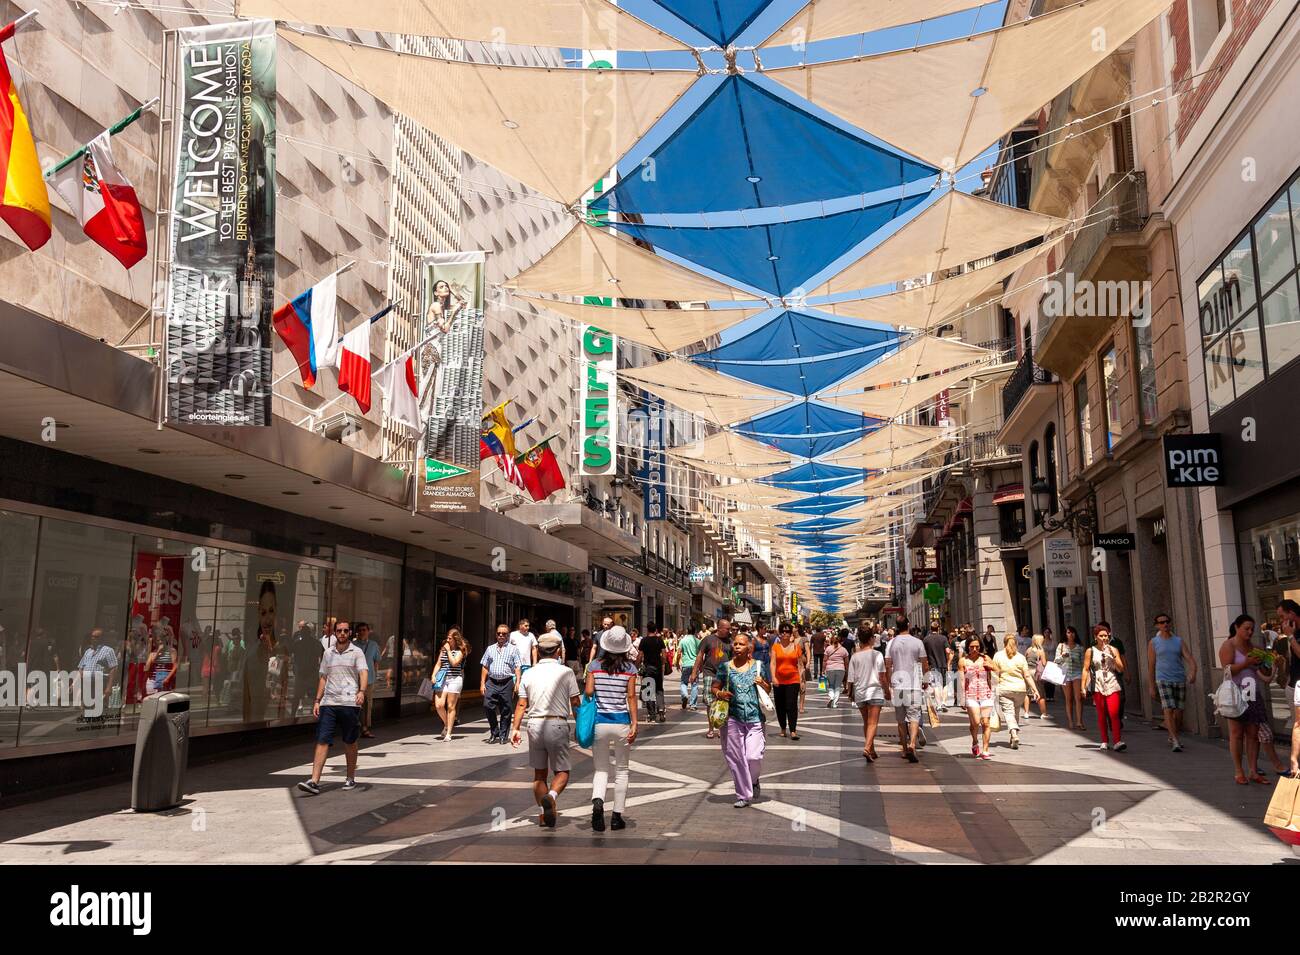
x=221 y=282
x=655 y=489
x=452 y=292
x=598 y=434
x=158 y=590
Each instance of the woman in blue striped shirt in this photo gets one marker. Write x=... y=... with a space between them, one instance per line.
x=612 y=681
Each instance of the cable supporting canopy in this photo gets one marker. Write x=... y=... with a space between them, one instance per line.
x=663 y=329
x=891 y=401
x=708 y=394
x=827 y=19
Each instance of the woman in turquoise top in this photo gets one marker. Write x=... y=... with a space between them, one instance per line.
x=737 y=682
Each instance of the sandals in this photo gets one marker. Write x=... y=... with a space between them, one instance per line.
x=1259 y=778
x=794 y=735
x=1241 y=780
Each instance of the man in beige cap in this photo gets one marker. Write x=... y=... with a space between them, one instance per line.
x=548 y=695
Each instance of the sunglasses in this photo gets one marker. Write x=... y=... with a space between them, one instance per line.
x=342 y=629
x=1160 y=623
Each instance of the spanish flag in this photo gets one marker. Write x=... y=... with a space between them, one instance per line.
x=24 y=202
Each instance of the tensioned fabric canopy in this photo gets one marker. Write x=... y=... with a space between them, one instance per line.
x=728 y=454
x=879 y=507
x=825 y=19
x=663 y=329
x=794 y=334
x=924 y=355
x=892 y=401
x=570 y=24
x=892 y=446
x=814 y=478
x=776 y=257
x=957 y=229
x=763 y=151
x=801 y=378
x=808 y=430
x=975 y=89
x=714 y=397
x=930 y=306
x=507 y=115
x=591 y=261
x=755 y=494
x=720 y=20
x=821 y=504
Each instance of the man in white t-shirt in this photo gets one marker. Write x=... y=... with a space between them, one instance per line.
x=905 y=664
x=344 y=677
x=548 y=695
x=525 y=641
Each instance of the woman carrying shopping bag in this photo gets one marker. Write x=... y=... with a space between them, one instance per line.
x=737 y=683
x=612 y=681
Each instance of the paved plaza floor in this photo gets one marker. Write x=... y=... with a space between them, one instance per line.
x=1055 y=800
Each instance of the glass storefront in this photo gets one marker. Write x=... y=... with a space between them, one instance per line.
x=1250 y=303
x=1270 y=561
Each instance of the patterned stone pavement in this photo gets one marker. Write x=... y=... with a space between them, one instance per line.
x=1056 y=800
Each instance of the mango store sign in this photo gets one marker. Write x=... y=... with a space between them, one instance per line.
x=599 y=403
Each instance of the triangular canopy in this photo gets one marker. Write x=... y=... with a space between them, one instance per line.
x=793 y=334
x=506 y=115
x=719 y=20
x=808 y=430
x=879 y=507
x=663 y=329
x=947 y=102
x=924 y=355
x=957 y=229
x=891 y=401
x=590 y=261
x=582 y=24
x=801 y=378
x=713 y=397
x=892 y=446
x=814 y=478
x=727 y=454
x=825 y=19
x=764 y=151
x=930 y=306
x=777 y=257
x=759 y=495
x=821 y=504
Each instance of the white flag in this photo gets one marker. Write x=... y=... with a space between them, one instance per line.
x=325 y=321
x=397 y=380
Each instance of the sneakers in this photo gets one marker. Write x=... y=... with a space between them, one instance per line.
x=310 y=787
x=985 y=754
x=1015 y=742
x=911 y=755
x=740 y=804
x=350 y=785
x=548 y=811
x=598 y=815
x=1103 y=746
x=1121 y=746
x=1176 y=746
x=616 y=822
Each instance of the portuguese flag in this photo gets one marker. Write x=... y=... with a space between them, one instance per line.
x=540 y=471
x=24 y=203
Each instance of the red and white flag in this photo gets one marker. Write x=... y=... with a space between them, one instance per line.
x=354 y=365
x=397 y=380
x=104 y=202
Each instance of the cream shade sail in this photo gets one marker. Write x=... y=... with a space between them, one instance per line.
x=947 y=102
x=955 y=230
x=664 y=329
x=728 y=454
x=924 y=355
x=532 y=123
x=824 y=19
x=879 y=508
x=568 y=24
x=756 y=494
x=890 y=446
x=592 y=261
x=892 y=401
x=893 y=480
x=714 y=397
x=935 y=304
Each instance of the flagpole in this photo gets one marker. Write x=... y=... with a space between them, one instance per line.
x=29 y=15
x=289 y=374
x=112 y=131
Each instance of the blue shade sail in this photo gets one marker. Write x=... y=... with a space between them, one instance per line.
x=778 y=257
x=809 y=430
x=821 y=505
x=719 y=20
x=820 y=524
x=813 y=540
x=794 y=334
x=801 y=378
x=814 y=478
x=762 y=152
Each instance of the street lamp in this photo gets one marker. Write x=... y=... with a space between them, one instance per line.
x=617 y=491
x=1076 y=519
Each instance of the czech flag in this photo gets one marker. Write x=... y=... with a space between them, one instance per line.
x=104 y=202
x=24 y=200
x=354 y=365
x=540 y=471
x=397 y=380
x=308 y=326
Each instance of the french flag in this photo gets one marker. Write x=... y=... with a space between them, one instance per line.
x=354 y=365
x=308 y=326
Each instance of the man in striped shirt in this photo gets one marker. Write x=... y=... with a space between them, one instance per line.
x=501 y=672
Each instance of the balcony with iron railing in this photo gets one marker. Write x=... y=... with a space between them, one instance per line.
x=1026 y=375
x=1004 y=349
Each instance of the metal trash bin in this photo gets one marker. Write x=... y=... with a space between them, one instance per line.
x=162 y=751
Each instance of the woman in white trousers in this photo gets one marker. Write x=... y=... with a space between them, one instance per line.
x=612 y=681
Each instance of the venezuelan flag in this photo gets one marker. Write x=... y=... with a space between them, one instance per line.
x=24 y=202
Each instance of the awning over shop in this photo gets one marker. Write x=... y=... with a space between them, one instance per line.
x=1009 y=494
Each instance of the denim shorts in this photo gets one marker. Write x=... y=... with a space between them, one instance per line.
x=345 y=719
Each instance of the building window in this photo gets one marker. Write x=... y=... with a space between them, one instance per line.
x=1083 y=421
x=1034 y=475
x=1146 y=371
x=1250 y=303
x=1049 y=452
x=1209 y=21
x=1110 y=391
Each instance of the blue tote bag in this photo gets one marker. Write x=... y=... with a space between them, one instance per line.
x=585 y=723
